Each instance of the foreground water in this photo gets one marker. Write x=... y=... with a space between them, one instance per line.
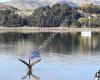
x=68 y=57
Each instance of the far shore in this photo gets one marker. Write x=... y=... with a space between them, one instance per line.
x=46 y=29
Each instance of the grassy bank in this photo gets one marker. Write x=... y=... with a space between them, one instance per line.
x=43 y=29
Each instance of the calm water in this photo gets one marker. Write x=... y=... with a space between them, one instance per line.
x=68 y=57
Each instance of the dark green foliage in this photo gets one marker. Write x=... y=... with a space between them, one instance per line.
x=53 y=16
x=49 y=16
x=3 y=16
x=77 y=24
x=9 y=18
x=94 y=22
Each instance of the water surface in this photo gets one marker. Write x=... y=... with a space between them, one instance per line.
x=69 y=56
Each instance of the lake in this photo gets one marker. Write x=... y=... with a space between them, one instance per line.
x=68 y=56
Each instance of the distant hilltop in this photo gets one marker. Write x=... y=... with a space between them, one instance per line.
x=32 y=4
x=26 y=4
x=6 y=7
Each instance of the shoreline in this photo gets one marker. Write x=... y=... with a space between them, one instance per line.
x=46 y=29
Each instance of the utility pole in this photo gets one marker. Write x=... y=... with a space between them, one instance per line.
x=89 y=21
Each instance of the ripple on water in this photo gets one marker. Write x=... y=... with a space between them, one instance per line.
x=52 y=67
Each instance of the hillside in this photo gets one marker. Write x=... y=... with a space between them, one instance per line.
x=26 y=4
x=32 y=4
x=6 y=7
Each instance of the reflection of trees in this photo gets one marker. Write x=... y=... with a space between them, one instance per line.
x=8 y=37
x=96 y=43
x=14 y=37
x=89 y=44
x=63 y=43
x=85 y=44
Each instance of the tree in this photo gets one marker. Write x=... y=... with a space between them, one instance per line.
x=53 y=16
x=9 y=18
x=93 y=21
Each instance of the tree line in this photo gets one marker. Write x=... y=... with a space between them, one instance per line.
x=48 y=16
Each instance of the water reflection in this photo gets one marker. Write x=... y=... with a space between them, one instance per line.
x=85 y=44
x=62 y=43
x=62 y=58
x=30 y=75
x=65 y=43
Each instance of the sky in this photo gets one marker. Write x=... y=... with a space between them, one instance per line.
x=4 y=0
x=42 y=0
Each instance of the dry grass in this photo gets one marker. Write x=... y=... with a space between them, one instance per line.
x=54 y=29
